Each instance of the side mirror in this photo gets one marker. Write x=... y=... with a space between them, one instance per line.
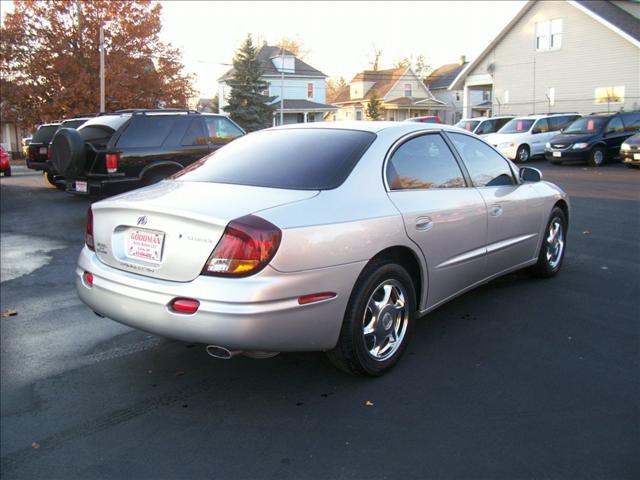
x=530 y=174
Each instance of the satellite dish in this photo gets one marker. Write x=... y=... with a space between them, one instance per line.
x=491 y=68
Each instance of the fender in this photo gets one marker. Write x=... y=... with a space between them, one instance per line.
x=161 y=164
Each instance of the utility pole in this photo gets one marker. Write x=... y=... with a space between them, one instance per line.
x=282 y=85
x=102 y=69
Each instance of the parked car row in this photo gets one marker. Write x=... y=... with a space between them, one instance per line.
x=559 y=137
x=115 y=152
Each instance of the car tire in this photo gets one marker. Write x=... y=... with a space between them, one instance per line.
x=68 y=153
x=7 y=172
x=553 y=245
x=380 y=313
x=523 y=154
x=596 y=157
x=51 y=181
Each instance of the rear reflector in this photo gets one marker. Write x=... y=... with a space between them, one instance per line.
x=88 y=278
x=184 y=305
x=315 y=297
x=49 y=152
x=112 y=162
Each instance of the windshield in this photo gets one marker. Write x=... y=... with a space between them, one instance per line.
x=300 y=159
x=44 y=134
x=469 y=125
x=587 y=125
x=517 y=125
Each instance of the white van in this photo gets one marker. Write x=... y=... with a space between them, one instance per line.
x=483 y=126
x=524 y=137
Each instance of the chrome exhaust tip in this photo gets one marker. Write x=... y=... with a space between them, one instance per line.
x=222 y=353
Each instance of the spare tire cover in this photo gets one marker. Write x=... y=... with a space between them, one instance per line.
x=68 y=152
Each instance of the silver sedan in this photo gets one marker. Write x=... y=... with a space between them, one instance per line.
x=320 y=237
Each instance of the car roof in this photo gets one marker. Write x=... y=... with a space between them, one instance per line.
x=370 y=126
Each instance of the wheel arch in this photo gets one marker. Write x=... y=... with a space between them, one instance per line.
x=164 y=165
x=562 y=205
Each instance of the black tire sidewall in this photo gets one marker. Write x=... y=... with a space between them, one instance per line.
x=371 y=278
x=520 y=148
x=592 y=155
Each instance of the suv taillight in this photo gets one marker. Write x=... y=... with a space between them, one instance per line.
x=112 y=162
x=247 y=245
x=88 y=236
x=49 y=152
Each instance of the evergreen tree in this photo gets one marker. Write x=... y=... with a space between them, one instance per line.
x=374 y=109
x=248 y=105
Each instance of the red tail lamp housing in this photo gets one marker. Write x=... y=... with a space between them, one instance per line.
x=88 y=236
x=247 y=246
x=88 y=278
x=49 y=152
x=112 y=160
x=315 y=297
x=184 y=305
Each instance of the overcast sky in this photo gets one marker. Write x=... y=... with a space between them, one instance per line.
x=340 y=36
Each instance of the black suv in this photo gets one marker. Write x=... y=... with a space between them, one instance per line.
x=39 y=157
x=593 y=139
x=128 y=149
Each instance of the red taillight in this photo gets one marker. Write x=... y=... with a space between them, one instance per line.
x=247 y=245
x=88 y=278
x=88 y=237
x=32 y=153
x=315 y=297
x=49 y=152
x=112 y=160
x=184 y=305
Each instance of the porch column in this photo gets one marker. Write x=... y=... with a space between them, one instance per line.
x=305 y=116
x=465 y=102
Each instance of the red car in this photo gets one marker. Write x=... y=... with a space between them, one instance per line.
x=5 y=167
x=426 y=119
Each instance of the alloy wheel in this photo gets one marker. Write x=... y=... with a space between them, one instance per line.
x=555 y=243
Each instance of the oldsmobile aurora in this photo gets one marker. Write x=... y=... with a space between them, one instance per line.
x=330 y=237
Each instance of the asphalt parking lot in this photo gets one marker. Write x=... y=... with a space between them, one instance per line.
x=521 y=378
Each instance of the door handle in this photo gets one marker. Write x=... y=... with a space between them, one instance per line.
x=423 y=224
x=495 y=210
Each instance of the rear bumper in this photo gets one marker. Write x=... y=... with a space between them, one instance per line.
x=38 y=165
x=258 y=313
x=103 y=185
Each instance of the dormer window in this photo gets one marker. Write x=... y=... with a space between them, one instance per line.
x=407 y=90
x=289 y=65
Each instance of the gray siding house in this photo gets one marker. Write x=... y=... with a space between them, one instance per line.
x=439 y=82
x=569 y=56
x=302 y=87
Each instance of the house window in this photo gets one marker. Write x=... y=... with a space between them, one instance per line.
x=309 y=90
x=506 y=96
x=486 y=95
x=358 y=115
x=549 y=35
x=457 y=96
x=551 y=95
x=311 y=117
x=407 y=90
x=609 y=95
x=300 y=118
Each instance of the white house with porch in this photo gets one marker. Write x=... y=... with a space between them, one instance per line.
x=302 y=87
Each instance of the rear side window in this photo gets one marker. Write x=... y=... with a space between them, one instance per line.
x=146 y=131
x=486 y=167
x=631 y=122
x=501 y=122
x=422 y=163
x=194 y=134
x=300 y=159
x=45 y=134
x=221 y=130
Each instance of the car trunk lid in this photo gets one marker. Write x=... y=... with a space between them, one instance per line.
x=169 y=230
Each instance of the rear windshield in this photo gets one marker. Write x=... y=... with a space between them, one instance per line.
x=517 y=125
x=45 y=134
x=469 y=125
x=100 y=129
x=587 y=125
x=72 y=123
x=299 y=159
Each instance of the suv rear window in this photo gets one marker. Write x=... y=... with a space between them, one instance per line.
x=299 y=159
x=146 y=131
x=102 y=127
x=45 y=134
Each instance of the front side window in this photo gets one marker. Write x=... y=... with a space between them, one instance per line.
x=469 y=125
x=486 y=167
x=221 y=130
x=422 y=163
x=488 y=126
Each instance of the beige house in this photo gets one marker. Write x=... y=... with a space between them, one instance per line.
x=402 y=93
x=558 y=56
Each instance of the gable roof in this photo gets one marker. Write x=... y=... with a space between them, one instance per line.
x=383 y=82
x=613 y=17
x=266 y=53
x=442 y=76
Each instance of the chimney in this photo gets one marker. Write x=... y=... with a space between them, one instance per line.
x=463 y=60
